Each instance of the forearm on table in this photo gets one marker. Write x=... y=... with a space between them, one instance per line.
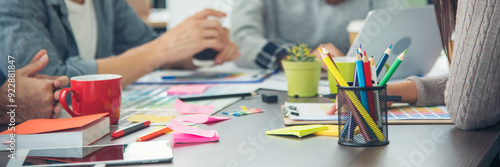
x=406 y=89
x=429 y=90
x=131 y=65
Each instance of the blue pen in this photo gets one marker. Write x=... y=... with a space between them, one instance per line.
x=383 y=59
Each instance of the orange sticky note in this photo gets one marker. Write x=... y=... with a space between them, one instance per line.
x=35 y=126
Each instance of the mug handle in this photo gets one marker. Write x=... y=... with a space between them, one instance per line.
x=62 y=99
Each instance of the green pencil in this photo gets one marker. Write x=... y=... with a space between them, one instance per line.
x=393 y=68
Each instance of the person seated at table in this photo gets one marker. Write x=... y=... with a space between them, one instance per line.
x=35 y=95
x=104 y=37
x=471 y=91
x=265 y=29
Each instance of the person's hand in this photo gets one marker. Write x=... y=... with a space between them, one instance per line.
x=230 y=51
x=35 y=97
x=332 y=49
x=191 y=36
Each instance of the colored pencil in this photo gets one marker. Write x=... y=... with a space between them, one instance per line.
x=372 y=66
x=362 y=83
x=368 y=80
x=355 y=79
x=326 y=52
x=393 y=68
x=341 y=81
x=354 y=100
x=153 y=134
x=383 y=59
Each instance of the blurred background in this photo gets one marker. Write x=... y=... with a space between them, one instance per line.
x=164 y=14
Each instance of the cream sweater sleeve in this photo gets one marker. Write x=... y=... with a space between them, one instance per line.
x=472 y=94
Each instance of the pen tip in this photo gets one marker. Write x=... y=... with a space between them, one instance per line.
x=390 y=47
x=360 y=46
x=405 y=51
x=364 y=52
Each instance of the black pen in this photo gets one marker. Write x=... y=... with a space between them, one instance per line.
x=217 y=96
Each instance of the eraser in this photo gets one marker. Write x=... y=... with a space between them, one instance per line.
x=269 y=98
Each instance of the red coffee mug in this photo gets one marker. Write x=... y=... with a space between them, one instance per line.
x=92 y=94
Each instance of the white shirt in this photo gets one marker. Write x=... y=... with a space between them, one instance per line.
x=83 y=23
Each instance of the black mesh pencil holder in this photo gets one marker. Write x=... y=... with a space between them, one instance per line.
x=362 y=115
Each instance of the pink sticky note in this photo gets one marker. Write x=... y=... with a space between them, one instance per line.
x=187 y=89
x=203 y=119
x=189 y=138
x=186 y=108
x=181 y=128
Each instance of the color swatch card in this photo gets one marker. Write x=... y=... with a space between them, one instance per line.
x=317 y=112
x=202 y=119
x=186 y=134
x=299 y=131
x=187 y=108
x=409 y=112
x=186 y=89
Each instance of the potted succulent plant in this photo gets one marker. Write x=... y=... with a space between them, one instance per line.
x=302 y=72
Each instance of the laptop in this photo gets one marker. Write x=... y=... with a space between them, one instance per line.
x=414 y=29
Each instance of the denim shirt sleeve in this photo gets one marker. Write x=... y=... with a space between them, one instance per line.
x=24 y=33
x=129 y=30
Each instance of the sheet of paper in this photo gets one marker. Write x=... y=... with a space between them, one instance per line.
x=181 y=128
x=311 y=111
x=152 y=118
x=186 y=89
x=35 y=126
x=187 y=108
x=202 y=119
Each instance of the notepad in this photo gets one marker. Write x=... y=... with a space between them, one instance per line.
x=299 y=131
x=67 y=132
x=186 y=134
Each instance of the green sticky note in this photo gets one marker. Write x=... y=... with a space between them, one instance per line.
x=298 y=131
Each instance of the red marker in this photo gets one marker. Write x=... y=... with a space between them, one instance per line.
x=130 y=129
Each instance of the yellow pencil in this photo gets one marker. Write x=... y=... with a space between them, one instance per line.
x=352 y=96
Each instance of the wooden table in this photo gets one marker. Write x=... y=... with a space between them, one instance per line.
x=243 y=143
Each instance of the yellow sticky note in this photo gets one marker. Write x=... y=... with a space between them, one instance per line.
x=298 y=131
x=152 y=118
x=333 y=130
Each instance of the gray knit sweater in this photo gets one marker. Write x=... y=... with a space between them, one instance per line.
x=471 y=92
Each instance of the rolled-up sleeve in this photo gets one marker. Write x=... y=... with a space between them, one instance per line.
x=129 y=30
x=23 y=32
x=248 y=30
